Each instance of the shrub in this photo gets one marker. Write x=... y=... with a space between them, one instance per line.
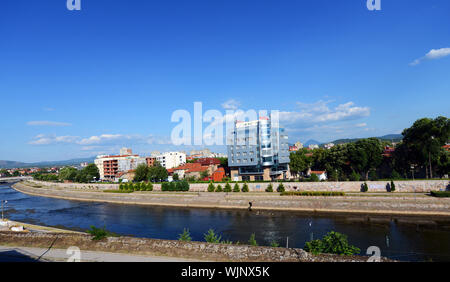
x=219 y=188
x=100 y=233
x=236 y=188
x=269 y=188
x=227 y=187
x=117 y=191
x=281 y=189
x=182 y=186
x=252 y=240
x=121 y=186
x=274 y=244
x=332 y=243
x=211 y=187
x=364 y=187
x=373 y=175
x=185 y=236
x=314 y=178
x=395 y=175
x=212 y=237
x=149 y=186
x=245 y=187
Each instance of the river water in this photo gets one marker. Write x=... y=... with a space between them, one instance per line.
x=408 y=242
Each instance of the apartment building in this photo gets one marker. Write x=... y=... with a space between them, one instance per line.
x=110 y=166
x=258 y=150
x=171 y=159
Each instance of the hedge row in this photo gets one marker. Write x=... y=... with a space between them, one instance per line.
x=313 y=193
x=136 y=186
x=175 y=186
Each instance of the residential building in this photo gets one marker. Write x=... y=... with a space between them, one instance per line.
x=126 y=152
x=329 y=146
x=150 y=161
x=195 y=169
x=258 y=150
x=171 y=159
x=313 y=146
x=322 y=174
x=110 y=166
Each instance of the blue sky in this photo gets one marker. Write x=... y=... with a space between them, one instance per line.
x=79 y=83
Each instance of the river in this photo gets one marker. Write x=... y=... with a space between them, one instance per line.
x=408 y=242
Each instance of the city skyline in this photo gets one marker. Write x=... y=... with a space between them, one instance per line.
x=81 y=83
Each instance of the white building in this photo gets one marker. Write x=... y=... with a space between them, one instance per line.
x=171 y=159
x=329 y=146
x=313 y=146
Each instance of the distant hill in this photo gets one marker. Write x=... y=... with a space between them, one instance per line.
x=14 y=164
x=389 y=137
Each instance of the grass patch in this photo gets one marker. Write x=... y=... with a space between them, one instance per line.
x=118 y=191
x=313 y=193
x=440 y=194
x=100 y=233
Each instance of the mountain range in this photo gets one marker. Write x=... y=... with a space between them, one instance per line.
x=14 y=164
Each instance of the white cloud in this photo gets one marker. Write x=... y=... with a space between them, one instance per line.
x=47 y=123
x=432 y=55
x=361 y=124
x=102 y=139
x=231 y=104
x=43 y=139
x=320 y=112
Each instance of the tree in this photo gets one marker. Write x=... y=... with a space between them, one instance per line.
x=280 y=188
x=354 y=176
x=245 y=187
x=425 y=138
x=227 y=187
x=236 y=188
x=91 y=171
x=157 y=173
x=314 y=177
x=175 y=177
x=252 y=240
x=333 y=243
x=365 y=155
x=211 y=187
x=204 y=174
x=269 y=188
x=68 y=173
x=219 y=188
x=299 y=162
x=141 y=173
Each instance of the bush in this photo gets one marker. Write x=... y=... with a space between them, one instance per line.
x=219 y=188
x=211 y=187
x=175 y=186
x=364 y=187
x=245 y=187
x=373 y=175
x=314 y=178
x=185 y=236
x=274 y=244
x=440 y=194
x=212 y=237
x=269 y=188
x=236 y=188
x=227 y=187
x=332 y=243
x=252 y=240
x=100 y=233
x=313 y=193
x=149 y=186
x=281 y=189
x=395 y=175
x=117 y=191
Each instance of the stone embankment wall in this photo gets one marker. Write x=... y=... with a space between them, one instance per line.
x=348 y=186
x=402 y=204
x=192 y=250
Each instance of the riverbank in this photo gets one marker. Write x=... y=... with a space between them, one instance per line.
x=170 y=248
x=408 y=204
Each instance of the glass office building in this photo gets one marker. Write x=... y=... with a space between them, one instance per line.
x=258 y=150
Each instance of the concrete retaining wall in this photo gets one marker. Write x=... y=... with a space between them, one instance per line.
x=374 y=186
x=193 y=250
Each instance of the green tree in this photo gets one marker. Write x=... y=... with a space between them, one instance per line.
x=141 y=173
x=91 y=171
x=314 y=177
x=219 y=188
x=236 y=188
x=211 y=187
x=245 y=187
x=269 y=188
x=227 y=187
x=280 y=188
x=175 y=177
x=157 y=173
x=354 y=176
x=365 y=155
x=299 y=161
x=68 y=173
